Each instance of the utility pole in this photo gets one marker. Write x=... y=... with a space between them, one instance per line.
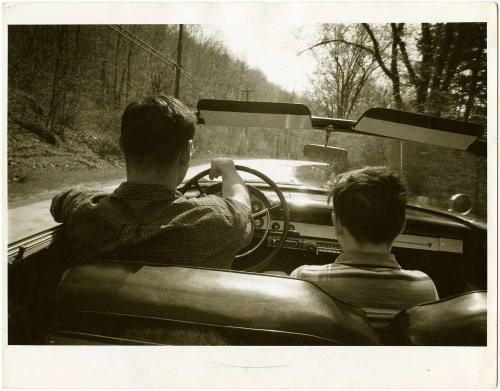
x=179 y=59
x=247 y=92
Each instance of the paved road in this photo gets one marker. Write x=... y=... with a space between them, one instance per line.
x=30 y=219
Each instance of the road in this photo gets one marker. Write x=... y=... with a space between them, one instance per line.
x=32 y=218
x=29 y=219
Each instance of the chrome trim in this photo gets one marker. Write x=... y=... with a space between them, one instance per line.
x=31 y=244
x=451 y=245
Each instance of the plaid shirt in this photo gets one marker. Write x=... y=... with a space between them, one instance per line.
x=154 y=224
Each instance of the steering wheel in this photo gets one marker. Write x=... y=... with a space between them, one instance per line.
x=193 y=182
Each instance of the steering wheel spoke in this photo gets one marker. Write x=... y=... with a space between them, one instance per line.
x=200 y=189
x=264 y=211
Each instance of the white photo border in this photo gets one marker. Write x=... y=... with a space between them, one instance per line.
x=261 y=367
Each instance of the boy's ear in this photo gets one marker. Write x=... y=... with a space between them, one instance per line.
x=185 y=154
x=339 y=228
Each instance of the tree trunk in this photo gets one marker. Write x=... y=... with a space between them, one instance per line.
x=115 y=78
x=475 y=70
x=129 y=72
x=444 y=39
x=77 y=55
x=56 y=79
x=102 y=78
x=396 y=83
x=425 y=46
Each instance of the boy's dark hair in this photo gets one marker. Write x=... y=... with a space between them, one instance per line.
x=154 y=130
x=371 y=203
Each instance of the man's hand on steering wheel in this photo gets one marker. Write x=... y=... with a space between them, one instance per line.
x=219 y=166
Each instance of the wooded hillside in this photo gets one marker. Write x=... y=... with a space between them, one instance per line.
x=68 y=85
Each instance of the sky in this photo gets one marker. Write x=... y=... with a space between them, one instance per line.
x=272 y=48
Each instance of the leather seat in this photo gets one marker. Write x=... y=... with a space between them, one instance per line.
x=455 y=321
x=125 y=302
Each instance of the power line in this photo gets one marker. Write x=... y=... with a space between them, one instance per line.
x=130 y=36
x=143 y=46
x=163 y=57
x=151 y=50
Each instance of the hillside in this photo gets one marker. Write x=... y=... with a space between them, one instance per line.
x=64 y=115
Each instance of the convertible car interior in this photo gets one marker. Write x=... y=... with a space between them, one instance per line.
x=51 y=300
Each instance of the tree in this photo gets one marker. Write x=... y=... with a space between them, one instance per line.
x=342 y=71
x=436 y=69
x=80 y=77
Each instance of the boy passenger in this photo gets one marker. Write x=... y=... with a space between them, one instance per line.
x=369 y=212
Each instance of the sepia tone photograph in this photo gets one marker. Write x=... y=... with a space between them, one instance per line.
x=191 y=184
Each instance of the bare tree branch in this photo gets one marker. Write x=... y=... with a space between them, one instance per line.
x=406 y=60
x=376 y=51
x=322 y=43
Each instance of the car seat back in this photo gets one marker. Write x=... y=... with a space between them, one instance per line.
x=455 y=321
x=129 y=302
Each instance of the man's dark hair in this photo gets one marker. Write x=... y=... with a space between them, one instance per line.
x=371 y=203
x=154 y=130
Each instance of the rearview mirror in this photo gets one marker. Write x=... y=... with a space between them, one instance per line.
x=253 y=114
x=321 y=153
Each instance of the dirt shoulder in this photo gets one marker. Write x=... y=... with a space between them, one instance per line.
x=44 y=184
x=38 y=169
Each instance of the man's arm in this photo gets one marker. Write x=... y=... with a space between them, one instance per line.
x=59 y=204
x=63 y=204
x=232 y=185
x=238 y=203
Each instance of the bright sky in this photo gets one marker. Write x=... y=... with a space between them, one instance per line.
x=271 y=48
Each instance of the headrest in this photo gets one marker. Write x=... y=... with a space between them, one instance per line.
x=455 y=321
x=213 y=297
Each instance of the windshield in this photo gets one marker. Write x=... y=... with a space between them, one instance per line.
x=432 y=174
x=64 y=118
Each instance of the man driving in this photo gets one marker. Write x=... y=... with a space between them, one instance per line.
x=369 y=207
x=145 y=218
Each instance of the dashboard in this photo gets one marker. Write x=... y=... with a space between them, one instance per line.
x=451 y=251
x=311 y=227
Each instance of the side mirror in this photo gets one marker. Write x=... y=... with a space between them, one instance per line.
x=460 y=203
